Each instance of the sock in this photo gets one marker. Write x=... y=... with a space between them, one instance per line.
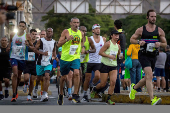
x=164 y=88
x=36 y=87
x=91 y=84
x=1 y=92
x=29 y=94
x=133 y=87
x=6 y=88
x=14 y=95
x=69 y=91
x=85 y=92
x=44 y=92
x=108 y=98
x=158 y=88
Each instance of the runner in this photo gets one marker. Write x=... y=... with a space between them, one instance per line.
x=109 y=53
x=30 y=67
x=39 y=79
x=71 y=42
x=47 y=49
x=94 y=62
x=5 y=67
x=18 y=46
x=152 y=37
x=84 y=58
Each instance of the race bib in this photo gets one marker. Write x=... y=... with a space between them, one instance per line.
x=47 y=58
x=18 y=51
x=113 y=53
x=31 y=56
x=82 y=57
x=150 y=47
x=123 y=72
x=73 y=49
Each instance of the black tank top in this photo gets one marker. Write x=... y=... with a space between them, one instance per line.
x=149 y=37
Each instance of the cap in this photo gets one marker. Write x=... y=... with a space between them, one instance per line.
x=95 y=25
x=59 y=49
x=115 y=32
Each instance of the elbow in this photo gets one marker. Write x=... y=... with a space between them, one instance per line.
x=100 y=53
x=94 y=50
x=59 y=44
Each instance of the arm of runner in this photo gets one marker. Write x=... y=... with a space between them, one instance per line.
x=54 y=51
x=64 y=38
x=29 y=43
x=37 y=47
x=163 y=42
x=10 y=41
x=93 y=49
x=103 y=49
x=133 y=39
x=119 y=51
x=82 y=44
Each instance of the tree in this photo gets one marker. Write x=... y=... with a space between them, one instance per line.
x=60 y=22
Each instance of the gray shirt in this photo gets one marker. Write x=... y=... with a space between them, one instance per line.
x=161 y=59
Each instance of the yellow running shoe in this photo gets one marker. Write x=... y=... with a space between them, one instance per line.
x=156 y=101
x=132 y=92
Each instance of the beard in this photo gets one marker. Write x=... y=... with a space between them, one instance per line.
x=97 y=33
x=151 y=22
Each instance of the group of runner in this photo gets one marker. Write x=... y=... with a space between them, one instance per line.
x=79 y=56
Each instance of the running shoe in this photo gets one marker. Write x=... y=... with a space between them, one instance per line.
x=85 y=99
x=109 y=102
x=29 y=98
x=156 y=101
x=60 y=100
x=132 y=92
x=6 y=93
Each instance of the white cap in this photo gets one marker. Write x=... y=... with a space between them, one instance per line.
x=95 y=25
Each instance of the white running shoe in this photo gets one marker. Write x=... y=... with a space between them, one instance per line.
x=29 y=98
x=35 y=93
x=44 y=98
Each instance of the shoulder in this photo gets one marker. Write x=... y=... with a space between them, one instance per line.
x=160 y=30
x=65 y=31
x=140 y=29
x=107 y=43
x=12 y=34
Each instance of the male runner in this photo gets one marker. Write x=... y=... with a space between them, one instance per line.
x=152 y=37
x=18 y=46
x=94 y=60
x=47 y=49
x=30 y=68
x=5 y=67
x=71 y=42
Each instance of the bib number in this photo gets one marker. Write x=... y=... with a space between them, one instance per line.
x=46 y=58
x=123 y=72
x=18 y=51
x=31 y=56
x=113 y=53
x=150 y=47
x=73 y=49
x=82 y=57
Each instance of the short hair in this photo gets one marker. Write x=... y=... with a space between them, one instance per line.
x=74 y=18
x=23 y=22
x=167 y=47
x=4 y=37
x=32 y=30
x=81 y=27
x=49 y=28
x=118 y=24
x=150 y=10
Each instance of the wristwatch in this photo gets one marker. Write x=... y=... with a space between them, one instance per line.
x=66 y=39
x=138 y=41
x=89 y=50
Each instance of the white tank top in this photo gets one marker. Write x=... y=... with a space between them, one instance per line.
x=95 y=57
x=18 y=49
x=46 y=46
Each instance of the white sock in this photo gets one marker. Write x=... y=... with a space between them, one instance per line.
x=1 y=92
x=85 y=92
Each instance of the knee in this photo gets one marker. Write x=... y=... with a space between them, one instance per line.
x=15 y=75
x=149 y=77
x=112 y=82
x=46 y=77
x=7 y=80
x=97 y=76
x=87 y=78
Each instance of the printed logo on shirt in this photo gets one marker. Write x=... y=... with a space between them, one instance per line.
x=154 y=36
x=76 y=40
x=18 y=41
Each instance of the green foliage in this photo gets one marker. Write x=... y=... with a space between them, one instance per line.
x=132 y=22
x=60 y=22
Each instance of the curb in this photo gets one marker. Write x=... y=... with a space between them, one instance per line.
x=141 y=98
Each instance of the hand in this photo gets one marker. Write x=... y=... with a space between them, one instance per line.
x=112 y=57
x=46 y=53
x=7 y=49
x=142 y=43
x=157 y=44
x=26 y=43
x=121 y=57
x=86 y=52
x=70 y=38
